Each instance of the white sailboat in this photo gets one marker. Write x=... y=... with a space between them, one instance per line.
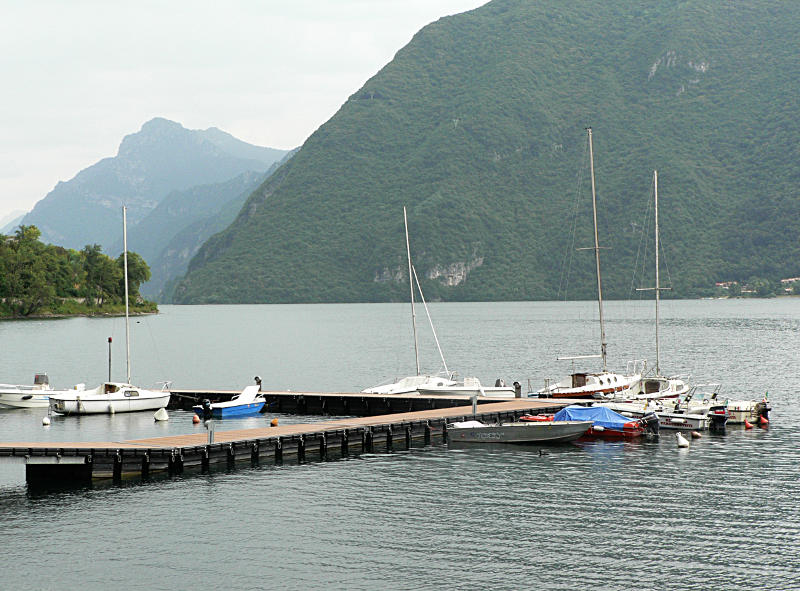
x=657 y=385
x=411 y=384
x=602 y=383
x=112 y=397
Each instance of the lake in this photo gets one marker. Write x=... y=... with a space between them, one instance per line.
x=723 y=514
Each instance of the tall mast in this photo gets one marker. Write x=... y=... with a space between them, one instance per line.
x=597 y=254
x=411 y=286
x=125 y=271
x=658 y=285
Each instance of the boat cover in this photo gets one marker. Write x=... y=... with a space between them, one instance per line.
x=600 y=415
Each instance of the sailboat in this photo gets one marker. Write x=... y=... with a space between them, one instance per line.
x=411 y=384
x=112 y=397
x=657 y=385
x=592 y=384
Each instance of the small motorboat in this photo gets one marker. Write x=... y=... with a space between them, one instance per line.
x=24 y=396
x=469 y=387
x=248 y=402
x=517 y=432
x=608 y=424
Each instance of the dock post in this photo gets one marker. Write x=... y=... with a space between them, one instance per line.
x=366 y=441
x=117 y=470
x=345 y=442
x=323 y=447
x=389 y=438
x=278 y=451
x=444 y=431
x=230 y=455
x=427 y=433
x=408 y=436
x=146 y=465
x=204 y=459
x=301 y=449
x=254 y=457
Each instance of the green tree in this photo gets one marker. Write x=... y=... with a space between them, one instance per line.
x=138 y=273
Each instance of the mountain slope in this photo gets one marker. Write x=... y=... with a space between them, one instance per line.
x=477 y=125
x=160 y=158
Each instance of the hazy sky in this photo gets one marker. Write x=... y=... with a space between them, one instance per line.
x=78 y=76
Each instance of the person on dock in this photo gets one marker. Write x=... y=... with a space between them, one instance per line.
x=258 y=381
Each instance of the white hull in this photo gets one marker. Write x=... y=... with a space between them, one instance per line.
x=22 y=399
x=546 y=432
x=666 y=420
x=467 y=391
x=123 y=398
x=410 y=385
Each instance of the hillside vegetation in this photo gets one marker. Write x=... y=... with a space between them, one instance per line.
x=477 y=126
x=39 y=279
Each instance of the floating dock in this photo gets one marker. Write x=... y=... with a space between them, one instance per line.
x=54 y=465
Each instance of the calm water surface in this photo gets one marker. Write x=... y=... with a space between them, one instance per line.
x=724 y=514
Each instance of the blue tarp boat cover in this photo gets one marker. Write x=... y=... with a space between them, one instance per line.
x=602 y=416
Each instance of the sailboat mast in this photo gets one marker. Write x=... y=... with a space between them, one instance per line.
x=597 y=254
x=658 y=285
x=125 y=271
x=411 y=286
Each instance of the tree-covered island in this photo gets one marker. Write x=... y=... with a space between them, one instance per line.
x=39 y=279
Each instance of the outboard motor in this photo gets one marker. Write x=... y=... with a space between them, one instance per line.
x=718 y=418
x=650 y=423
x=499 y=383
x=207 y=410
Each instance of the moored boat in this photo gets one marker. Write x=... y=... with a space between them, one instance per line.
x=468 y=387
x=108 y=398
x=608 y=424
x=248 y=402
x=25 y=396
x=517 y=432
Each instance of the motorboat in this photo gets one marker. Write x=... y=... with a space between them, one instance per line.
x=739 y=410
x=516 y=432
x=248 y=402
x=107 y=398
x=25 y=396
x=468 y=387
x=608 y=424
x=672 y=415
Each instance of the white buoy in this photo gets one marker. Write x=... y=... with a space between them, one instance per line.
x=682 y=441
x=161 y=415
x=45 y=421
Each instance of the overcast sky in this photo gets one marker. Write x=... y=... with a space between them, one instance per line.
x=78 y=76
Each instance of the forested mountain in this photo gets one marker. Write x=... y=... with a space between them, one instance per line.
x=477 y=125
x=161 y=158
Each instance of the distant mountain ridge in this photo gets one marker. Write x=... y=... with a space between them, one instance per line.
x=477 y=125
x=162 y=157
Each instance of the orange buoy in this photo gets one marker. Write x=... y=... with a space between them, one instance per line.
x=195 y=419
x=273 y=423
x=763 y=421
x=748 y=424
x=696 y=435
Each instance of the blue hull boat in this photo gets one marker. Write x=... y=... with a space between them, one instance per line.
x=249 y=402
